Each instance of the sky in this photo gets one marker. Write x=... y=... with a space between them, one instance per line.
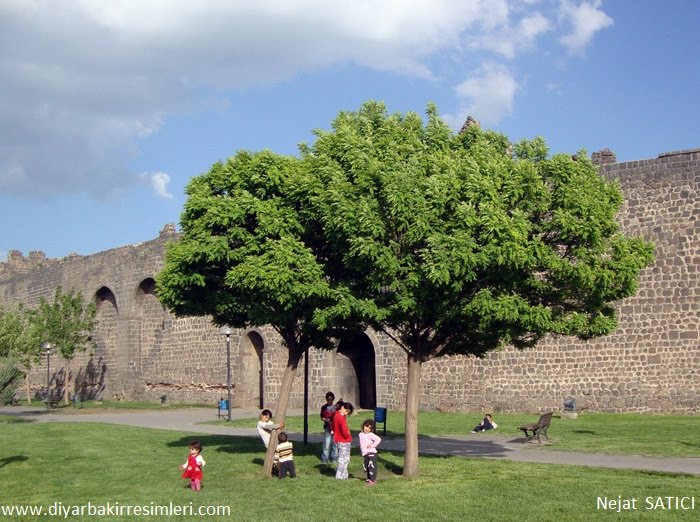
x=109 y=107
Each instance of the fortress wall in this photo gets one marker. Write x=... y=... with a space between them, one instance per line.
x=649 y=364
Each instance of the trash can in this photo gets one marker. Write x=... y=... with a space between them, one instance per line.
x=223 y=408
x=569 y=409
x=380 y=417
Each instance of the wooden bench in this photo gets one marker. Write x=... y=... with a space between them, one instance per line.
x=52 y=400
x=538 y=428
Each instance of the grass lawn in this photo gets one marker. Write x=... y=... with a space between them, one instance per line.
x=652 y=435
x=44 y=464
x=111 y=405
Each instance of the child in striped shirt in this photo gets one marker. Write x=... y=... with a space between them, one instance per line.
x=284 y=457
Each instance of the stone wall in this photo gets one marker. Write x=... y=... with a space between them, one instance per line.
x=649 y=364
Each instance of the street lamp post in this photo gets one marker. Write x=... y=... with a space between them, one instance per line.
x=47 y=349
x=227 y=332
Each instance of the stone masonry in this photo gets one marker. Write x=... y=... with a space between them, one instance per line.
x=649 y=364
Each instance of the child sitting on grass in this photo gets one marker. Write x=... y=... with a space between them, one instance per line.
x=486 y=424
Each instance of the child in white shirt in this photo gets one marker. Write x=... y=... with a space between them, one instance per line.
x=265 y=426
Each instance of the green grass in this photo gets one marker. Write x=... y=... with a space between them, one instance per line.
x=652 y=435
x=9 y=419
x=112 y=405
x=42 y=464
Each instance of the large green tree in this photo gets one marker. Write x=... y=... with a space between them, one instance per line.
x=245 y=258
x=463 y=244
x=68 y=322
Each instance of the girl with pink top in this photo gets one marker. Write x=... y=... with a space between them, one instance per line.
x=368 y=446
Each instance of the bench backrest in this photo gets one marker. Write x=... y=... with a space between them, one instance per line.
x=545 y=420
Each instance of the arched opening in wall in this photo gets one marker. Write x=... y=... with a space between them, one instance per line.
x=250 y=383
x=151 y=315
x=362 y=386
x=100 y=374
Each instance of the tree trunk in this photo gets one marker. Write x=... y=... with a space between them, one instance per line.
x=29 y=391
x=66 y=394
x=282 y=403
x=410 y=462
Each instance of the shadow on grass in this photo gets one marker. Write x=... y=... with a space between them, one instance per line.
x=390 y=466
x=14 y=458
x=28 y=416
x=440 y=446
x=254 y=446
x=242 y=444
x=584 y=432
x=10 y=418
x=222 y=443
x=325 y=470
x=390 y=458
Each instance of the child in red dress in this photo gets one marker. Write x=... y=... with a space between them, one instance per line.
x=193 y=466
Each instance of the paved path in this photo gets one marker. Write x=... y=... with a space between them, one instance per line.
x=484 y=445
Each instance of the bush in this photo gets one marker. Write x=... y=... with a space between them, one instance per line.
x=10 y=374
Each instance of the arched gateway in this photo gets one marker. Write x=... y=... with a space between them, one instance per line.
x=360 y=376
x=249 y=382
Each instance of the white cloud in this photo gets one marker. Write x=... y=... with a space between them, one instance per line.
x=509 y=41
x=487 y=96
x=85 y=80
x=586 y=20
x=159 y=182
x=554 y=88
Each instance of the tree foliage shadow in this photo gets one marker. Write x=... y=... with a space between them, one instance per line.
x=14 y=458
x=90 y=380
x=325 y=470
x=390 y=466
x=16 y=418
x=439 y=446
x=222 y=443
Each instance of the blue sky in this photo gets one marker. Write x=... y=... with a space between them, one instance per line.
x=108 y=109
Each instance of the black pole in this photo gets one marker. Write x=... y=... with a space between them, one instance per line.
x=228 y=373
x=48 y=377
x=306 y=397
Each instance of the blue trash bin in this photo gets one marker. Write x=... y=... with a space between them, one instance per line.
x=223 y=408
x=380 y=417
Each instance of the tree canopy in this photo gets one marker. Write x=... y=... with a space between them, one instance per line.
x=449 y=243
x=245 y=258
x=464 y=245
x=19 y=344
x=67 y=322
